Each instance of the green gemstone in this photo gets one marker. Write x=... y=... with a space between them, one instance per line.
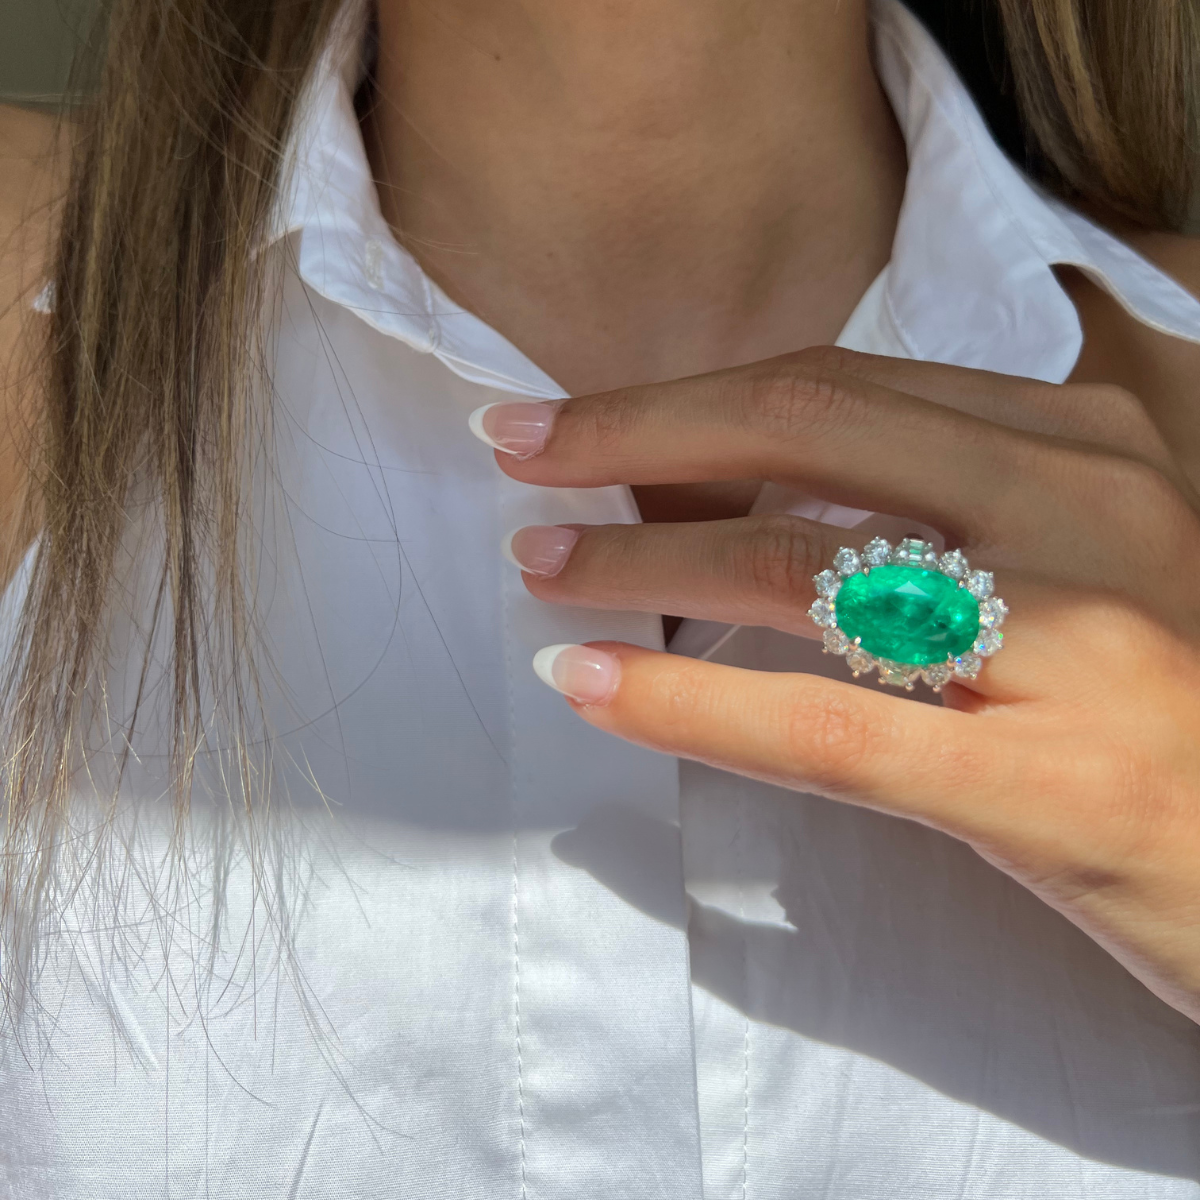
x=908 y=614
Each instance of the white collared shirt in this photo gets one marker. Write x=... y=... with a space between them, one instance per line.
x=542 y=963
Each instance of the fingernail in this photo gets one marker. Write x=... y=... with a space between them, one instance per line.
x=587 y=675
x=520 y=428
x=540 y=549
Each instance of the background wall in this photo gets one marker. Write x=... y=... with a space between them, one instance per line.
x=37 y=40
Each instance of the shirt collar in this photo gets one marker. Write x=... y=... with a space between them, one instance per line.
x=345 y=250
x=969 y=282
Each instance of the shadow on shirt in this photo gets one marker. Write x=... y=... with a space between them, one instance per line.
x=902 y=944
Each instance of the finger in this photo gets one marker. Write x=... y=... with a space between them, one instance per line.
x=849 y=441
x=1099 y=414
x=760 y=571
x=748 y=571
x=945 y=768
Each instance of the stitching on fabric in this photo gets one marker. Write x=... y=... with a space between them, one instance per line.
x=745 y=1105
x=516 y=875
x=517 y=1008
x=1162 y=285
x=740 y=842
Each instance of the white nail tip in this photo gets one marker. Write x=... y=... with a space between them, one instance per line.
x=475 y=425
x=507 y=550
x=543 y=663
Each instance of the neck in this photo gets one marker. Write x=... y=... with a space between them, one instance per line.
x=637 y=190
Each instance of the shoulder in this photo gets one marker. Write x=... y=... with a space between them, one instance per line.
x=32 y=175
x=28 y=148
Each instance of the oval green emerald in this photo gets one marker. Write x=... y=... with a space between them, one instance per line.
x=908 y=615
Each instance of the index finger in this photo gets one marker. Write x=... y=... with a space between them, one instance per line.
x=849 y=440
x=1099 y=414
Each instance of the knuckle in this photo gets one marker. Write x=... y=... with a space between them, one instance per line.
x=832 y=741
x=1129 y=489
x=1121 y=420
x=1119 y=404
x=1070 y=860
x=606 y=421
x=1112 y=627
x=1105 y=415
x=827 y=360
x=1120 y=497
x=801 y=400
x=778 y=558
x=969 y=761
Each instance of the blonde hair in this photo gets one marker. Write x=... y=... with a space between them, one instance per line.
x=153 y=344
x=1109 y=93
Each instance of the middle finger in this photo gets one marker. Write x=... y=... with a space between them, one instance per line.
x=749 y=571
x=746 y=571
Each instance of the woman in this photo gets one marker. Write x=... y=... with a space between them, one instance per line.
x=313 y=888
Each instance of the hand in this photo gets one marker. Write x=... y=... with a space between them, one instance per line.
x=1072 y=762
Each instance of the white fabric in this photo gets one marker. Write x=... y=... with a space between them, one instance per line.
x=501 y=906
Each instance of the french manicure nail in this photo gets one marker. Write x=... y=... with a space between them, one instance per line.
x=540 y=549
x=515 y=427
x=587 y=675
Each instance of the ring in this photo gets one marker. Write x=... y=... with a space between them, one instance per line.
x=908 y=613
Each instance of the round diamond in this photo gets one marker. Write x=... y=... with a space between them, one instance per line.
x=989 y=642
x=937 y=675
x=877 y=552
x=907 y=614
x=847 y=561
x=836 y=642
x=827 y=583
x=980 y=584
x=897 y=674
x=822 y=612
x=859 y=661
x=967 y=666
x=953 y=563
x=992 y=612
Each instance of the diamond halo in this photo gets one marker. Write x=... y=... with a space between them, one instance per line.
x=913 y=552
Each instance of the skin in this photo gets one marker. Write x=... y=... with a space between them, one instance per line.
x=31 y=180
x=698 y=190
x=1072 y=762
x=639 y=190
x=674 y=189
